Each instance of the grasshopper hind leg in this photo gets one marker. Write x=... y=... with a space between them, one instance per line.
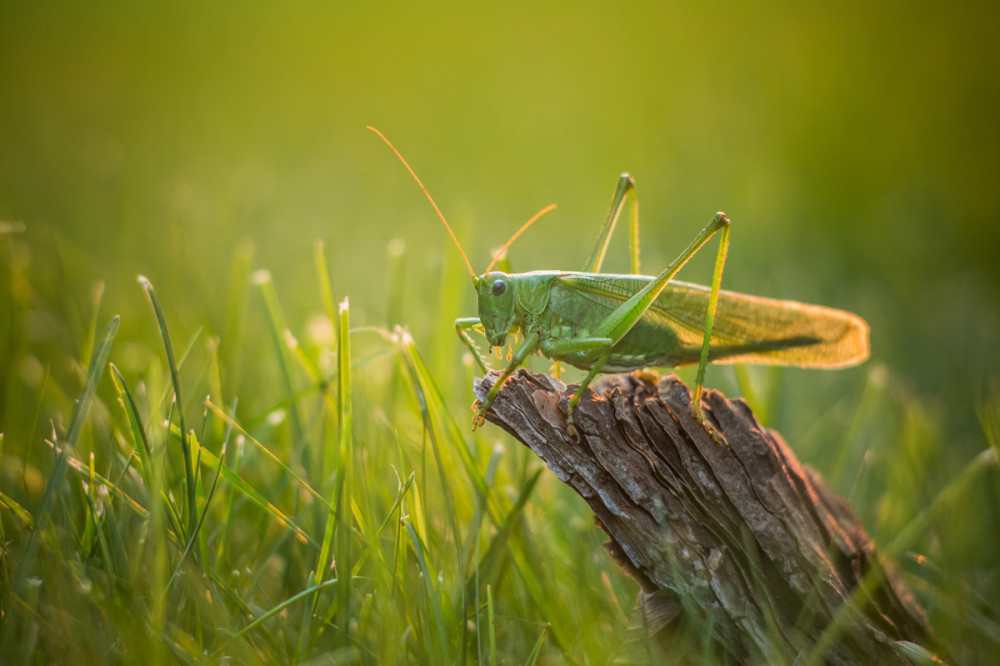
x=625 y=191
x=584 y=385
x=713 y=301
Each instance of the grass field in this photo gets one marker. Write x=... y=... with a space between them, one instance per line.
x=260 y=451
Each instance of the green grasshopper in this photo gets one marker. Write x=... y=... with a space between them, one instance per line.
x=613 y=323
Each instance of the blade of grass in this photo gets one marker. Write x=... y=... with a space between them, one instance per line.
x=95 y=521
x=139 y=441
x=97 y=363
x=234 y=463
x=201 y=518
x=536 y=649
x=190 y=473
x=345 y=493
x=237 y=302
x=8 y=502
x=93 y=327
x=492 y=624
x=325 y=283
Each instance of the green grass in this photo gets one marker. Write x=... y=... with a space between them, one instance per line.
x=353 y=515
x=286 y=479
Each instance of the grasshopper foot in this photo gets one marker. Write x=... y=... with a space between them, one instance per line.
x=570 y=426
x=698 y=415
x=478 y=414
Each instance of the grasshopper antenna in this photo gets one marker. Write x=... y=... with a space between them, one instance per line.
x=429 y=198
x=499 y=253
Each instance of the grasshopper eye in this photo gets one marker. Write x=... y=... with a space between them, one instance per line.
x=499 y=287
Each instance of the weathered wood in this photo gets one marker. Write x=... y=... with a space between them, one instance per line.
x=734 y=532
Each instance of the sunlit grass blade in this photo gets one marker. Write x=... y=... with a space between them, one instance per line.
x=93 y=327
x=325 y=282
x=94 y=530
x=337 y=508
x=237 y=302
x=190 y=473
x=371 y=539
x=345 y=472
x=536 y=649
x=522 y=563
x=139 y=439
x=951 y=597
x=8 y=502
x=870 y=405
x=547 y=607
x=98 y=361
x=195 y=534
x=759 y=387
x=235 y=454
x=916 y=654
x=491 y=624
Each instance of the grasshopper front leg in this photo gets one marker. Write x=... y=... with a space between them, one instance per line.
x=462 y=327
x=528 y=347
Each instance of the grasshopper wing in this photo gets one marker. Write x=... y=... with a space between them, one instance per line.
x=753 y=329
x=747 y=329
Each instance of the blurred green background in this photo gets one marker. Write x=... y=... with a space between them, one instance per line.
x=854 y=145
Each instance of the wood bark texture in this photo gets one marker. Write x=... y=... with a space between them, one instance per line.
x=728 y=532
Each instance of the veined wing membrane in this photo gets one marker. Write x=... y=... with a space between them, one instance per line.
x=747 y=329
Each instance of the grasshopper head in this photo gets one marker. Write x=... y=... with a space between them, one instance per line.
x=496 y=306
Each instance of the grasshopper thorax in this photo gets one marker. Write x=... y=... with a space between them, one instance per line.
x=497 y=297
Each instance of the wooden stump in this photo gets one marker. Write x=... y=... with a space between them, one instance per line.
x=736 y=535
